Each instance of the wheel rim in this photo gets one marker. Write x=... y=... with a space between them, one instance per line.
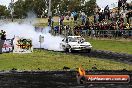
x=69 y=50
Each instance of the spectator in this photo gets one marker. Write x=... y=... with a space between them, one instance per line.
x=61 y=20
x=124 y=1
x=119 y=4
x=87 y=22
x=129 y=6
x=72 y=16
x=75 y=17
x=92 y=31
x=67 y=17
x=101 y=16
x=1 y=33
x=56 y=29
x=129 y=16
x=107 y=12
x=113 y=16
x=49 y=21
x=96 y=17
x=83 y=18
x=3 y=36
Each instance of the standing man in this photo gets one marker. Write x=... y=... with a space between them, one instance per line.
x=83 y=18
x=2 y=39
x=75 y=17
x=49 y=21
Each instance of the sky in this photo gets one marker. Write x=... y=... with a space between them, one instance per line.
x=5 y=2
x=101 y=3
x=111 y=3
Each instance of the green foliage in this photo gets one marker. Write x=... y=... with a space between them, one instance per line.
x=3 y=11
x=58 y=7
x=21 y=8
x=89 y=8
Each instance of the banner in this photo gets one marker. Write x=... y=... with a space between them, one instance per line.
x=22 y=45
x=7 y=46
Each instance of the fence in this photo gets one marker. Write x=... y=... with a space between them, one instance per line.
x=106 y=33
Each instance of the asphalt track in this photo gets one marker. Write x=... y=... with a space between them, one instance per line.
x=54 y=79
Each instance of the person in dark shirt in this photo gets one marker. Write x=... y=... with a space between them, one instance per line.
x=128 y=16
x=119 y=4
x=1 y=33
x=3 y=36
x=49 y=21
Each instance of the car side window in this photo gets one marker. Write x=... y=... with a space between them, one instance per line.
x=66 y=40
x=63 y=40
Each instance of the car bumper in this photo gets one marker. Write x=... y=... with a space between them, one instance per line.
x=81 y=48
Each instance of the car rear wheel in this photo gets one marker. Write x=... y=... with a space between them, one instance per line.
x=70 y=50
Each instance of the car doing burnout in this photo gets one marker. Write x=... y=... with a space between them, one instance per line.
x=75 y=43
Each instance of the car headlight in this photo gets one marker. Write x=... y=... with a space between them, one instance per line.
x=88 y=46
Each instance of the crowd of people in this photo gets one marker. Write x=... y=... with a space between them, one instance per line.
x=122 y=14
x=116 y=21
x=2 y=39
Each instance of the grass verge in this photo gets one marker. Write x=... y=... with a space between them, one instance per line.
x=112 y=45
x=49 y=60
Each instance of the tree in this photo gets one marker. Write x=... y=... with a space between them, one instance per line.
x=39 y=7
x=89 y=7
x=3 y=11
x=19 y=10
x=58 y=7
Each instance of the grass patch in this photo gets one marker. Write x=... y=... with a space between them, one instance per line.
x=42 y=22
x=112 y=45
x=49 y=60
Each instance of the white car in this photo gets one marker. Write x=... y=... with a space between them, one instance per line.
x=75 y=43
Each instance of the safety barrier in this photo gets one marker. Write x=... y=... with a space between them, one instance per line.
x=105 y=33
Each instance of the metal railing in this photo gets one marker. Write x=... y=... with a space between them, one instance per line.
x=105 y=33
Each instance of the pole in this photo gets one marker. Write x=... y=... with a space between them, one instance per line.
x=49 y=9
x=50 y=15
x=12 y=9
x=40 y=41
x=12 y=17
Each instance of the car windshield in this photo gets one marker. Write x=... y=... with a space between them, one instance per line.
x=76 y=39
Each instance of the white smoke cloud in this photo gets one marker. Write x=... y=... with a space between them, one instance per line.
x=28 y=31
x=52 y=42
x=30 y=19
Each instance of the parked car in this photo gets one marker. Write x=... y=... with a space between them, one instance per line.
x=75 y=43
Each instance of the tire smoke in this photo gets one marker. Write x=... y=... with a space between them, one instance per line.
x=28 y=31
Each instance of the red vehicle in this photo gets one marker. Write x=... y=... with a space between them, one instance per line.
x=7 y=46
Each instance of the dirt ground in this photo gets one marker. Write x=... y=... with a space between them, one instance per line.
x=53 y=79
